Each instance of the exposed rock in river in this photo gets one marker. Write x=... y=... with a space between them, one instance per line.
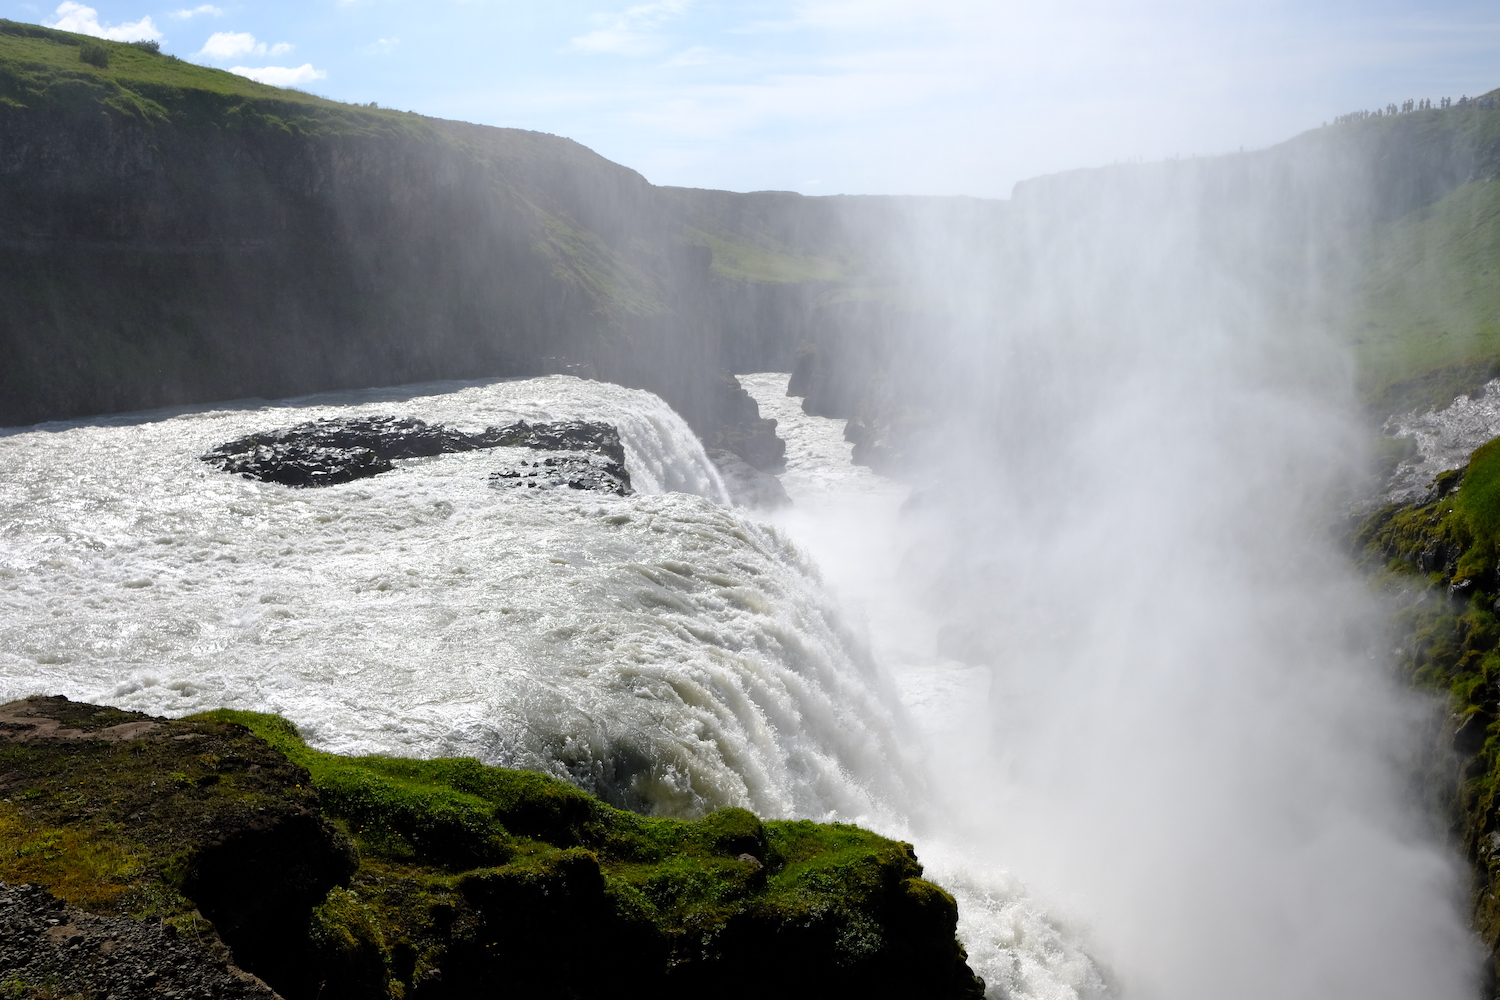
x=326 y=452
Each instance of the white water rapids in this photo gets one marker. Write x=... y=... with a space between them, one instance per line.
x=663 y=649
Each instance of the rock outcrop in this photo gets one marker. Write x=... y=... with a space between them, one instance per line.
x=200 y=825
x=343 y=878
x=328 y=452
x=747 y=485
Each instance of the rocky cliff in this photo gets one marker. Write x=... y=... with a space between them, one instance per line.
x=174 y=234
x=218 y=855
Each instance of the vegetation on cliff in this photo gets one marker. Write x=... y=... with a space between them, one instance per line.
x=1437 y=559
x=366 y=877
x=1427 y=325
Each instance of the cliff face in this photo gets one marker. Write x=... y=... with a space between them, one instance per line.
x=173 y=234
x=1435 y=559
x=1384 y=232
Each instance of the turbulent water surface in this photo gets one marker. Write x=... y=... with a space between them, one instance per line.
x=662 y=649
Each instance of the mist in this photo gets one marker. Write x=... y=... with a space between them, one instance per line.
x=1074 y=614
x=1142 y=434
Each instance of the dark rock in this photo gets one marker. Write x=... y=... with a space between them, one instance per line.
x=741 y=430
x=565 y=435
x=1470 y=736
x=747 y=485
x=327 y=452
x=47 y=944
x=577 y=472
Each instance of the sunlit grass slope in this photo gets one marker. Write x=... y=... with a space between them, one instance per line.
x=1428 y=324
x=41 y=67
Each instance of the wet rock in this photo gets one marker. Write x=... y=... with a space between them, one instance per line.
x=1442 y=440
x=332 y=451
x=747 y=485
x=566 y=435
x=48 y=948
x=593 y=457
x=576 y=472
x=1470 y=736
x=741 y=430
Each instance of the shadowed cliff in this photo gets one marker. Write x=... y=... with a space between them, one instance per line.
x=172 y=234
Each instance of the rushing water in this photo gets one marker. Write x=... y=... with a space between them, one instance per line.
x=659 y=648
x=849 y=521
x=663 y=649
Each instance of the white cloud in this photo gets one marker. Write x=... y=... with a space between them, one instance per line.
x=281 y=76
x=85 y=21
x=382 y=46
x=228 y=44
x=233 y=44
x=698 y=55
x=208 y=9
x=631 y=32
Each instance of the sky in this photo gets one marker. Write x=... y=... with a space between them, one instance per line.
x=844 y=96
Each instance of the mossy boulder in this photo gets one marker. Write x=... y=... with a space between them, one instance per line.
x=373 y=877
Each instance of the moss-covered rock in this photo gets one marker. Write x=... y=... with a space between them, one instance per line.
x=369 y=877
x=1439 y=556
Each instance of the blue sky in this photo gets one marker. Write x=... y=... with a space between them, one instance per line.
x=845 y=96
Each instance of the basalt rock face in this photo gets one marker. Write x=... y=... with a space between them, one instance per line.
x=328 y=452
x=233 y=838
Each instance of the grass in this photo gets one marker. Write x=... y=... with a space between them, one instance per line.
x=453 y=869
x=1428 y=323
x=456 y=814
x=1431 y=321
x=41 y=69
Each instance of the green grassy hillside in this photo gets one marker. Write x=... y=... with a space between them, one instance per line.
x=1427 y=319
x=42 y=67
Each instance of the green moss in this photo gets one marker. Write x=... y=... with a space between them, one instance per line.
x=1439 y=557
x=450 y=871
x=459 y=859
x=110 y=826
